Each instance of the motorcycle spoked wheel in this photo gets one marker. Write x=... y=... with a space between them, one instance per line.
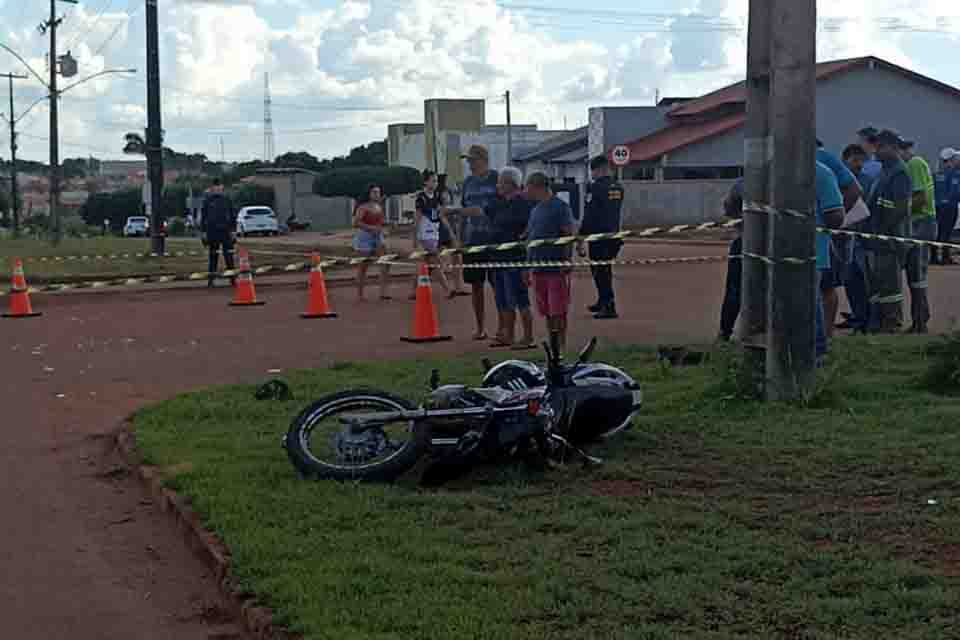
x=372 y=456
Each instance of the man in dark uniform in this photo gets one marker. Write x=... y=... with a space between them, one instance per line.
x=218 y=225
x=889 y=203
x=602 y=215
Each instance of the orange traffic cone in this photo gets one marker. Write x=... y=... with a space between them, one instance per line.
x=425 y=325
x=245 y=295
x=317 y=304
x=20 y=306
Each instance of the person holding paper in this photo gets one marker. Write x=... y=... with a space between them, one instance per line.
x=832 y=280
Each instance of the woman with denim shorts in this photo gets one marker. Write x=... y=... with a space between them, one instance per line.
x=369 y=220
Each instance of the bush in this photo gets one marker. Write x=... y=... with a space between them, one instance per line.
x=75 y=227
x=943 y=373
x=177 y=227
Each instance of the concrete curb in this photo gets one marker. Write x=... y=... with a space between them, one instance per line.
x=256 y=619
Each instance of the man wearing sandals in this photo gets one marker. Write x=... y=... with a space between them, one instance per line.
x=551 y=218
x=508 y=216
x=479 y=190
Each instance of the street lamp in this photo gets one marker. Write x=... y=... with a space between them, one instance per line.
x=68 y=69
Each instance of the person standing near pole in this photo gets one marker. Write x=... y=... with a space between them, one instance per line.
x=923 y=226
x=889 y=204
x=551 y=218
x=218 y=225
x=602 y=215
x=946 y=203
x=479 y=190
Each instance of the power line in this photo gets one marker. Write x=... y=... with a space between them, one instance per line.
x=78 y=37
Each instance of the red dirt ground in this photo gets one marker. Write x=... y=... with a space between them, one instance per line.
x=85 y=555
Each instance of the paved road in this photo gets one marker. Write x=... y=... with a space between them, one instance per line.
x=85 y=555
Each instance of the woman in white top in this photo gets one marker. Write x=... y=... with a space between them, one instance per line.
x=431 y=233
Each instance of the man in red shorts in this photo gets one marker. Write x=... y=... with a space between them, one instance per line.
x=550 y=218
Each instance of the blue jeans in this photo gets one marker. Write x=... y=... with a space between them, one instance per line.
x=509 y=290
x=856 y=286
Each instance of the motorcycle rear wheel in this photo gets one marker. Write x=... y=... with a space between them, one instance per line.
x=401 y=456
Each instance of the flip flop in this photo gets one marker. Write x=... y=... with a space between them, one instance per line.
x=523 y=346
x=481 y=336
x=386 y=297
x=500 y=344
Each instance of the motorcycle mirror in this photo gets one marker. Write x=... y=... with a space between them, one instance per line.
x=434 y=379
x=588 y=350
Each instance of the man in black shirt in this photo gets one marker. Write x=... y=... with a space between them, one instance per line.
x=218 y=225
x=602 y=215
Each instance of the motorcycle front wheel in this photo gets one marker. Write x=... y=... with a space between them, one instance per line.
x=320 y=446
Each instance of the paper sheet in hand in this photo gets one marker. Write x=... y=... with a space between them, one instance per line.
x=857 y=214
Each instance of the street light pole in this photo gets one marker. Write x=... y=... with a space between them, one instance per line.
x=14 y=205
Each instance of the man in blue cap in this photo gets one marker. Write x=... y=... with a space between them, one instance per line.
x=889 y=203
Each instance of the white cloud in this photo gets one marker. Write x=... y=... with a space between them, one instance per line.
x=329 y=63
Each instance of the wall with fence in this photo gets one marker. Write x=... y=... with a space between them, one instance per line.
x=648 y=203
x=325 y=214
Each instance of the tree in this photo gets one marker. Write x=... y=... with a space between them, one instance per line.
x=134 y=144
x=252 y=195
x=115 y=207
x=353 y=181
x=298 y=160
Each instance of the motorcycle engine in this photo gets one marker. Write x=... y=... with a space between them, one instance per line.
x=448 y=397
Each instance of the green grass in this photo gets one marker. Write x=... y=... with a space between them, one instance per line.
x=714 y=518
x=127 y=264
x=29 y=249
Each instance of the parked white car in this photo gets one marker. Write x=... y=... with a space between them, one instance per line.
x=136 y=226
x=253 y=220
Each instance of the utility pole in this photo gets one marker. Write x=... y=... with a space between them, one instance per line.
x=756 y=189
x=509 y=132
x=791 y=356
x=154 y=131
x=14 y=192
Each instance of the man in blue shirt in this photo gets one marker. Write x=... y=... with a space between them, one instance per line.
x=872 y=167
x=948 y=198
x=551 y=218
x=829 y=213
x=832 y=280
x=889 y=204
x=855 y=283
x=480 y=191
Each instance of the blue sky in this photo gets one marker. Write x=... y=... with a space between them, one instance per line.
x=342 y=70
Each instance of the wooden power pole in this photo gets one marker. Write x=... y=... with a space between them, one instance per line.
x=791 y=359
x=154 y=131
x=757 y=156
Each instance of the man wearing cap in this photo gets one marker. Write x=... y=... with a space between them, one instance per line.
x=947 y=181
x=480 y=191
x=889 y=203
x=602 y=215
x=923 y=226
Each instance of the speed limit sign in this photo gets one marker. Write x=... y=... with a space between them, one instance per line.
x=620 y=155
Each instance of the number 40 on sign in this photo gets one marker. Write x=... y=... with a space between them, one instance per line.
x=620 y=155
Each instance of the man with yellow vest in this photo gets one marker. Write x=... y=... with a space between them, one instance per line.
x=923 y=222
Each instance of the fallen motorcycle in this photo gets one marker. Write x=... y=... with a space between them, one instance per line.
x=547 y=414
